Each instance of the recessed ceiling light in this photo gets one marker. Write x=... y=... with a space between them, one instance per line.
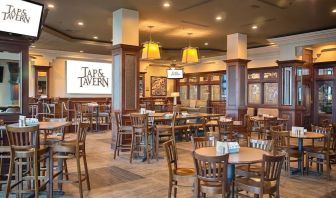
x=166 y=5
x=334 y=10
x=51 y=5
x=218 y=18
x=81 y=51
x=254 y=27
x=95 y=37
x=80 y=23
x=33 y=46
x=206 y=44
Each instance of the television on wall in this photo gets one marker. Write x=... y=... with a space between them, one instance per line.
x=1 y=74
x=21 y=17
x=174 y=73
x=86 y=77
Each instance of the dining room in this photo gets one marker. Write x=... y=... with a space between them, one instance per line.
x=203 y=98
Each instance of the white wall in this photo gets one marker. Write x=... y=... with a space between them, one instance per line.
x=56 y=59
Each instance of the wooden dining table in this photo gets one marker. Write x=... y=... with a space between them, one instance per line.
x=246 y=155
x=300 y=138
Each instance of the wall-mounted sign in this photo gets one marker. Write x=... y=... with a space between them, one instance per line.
x=84 y=77
x=174 y=73
x=20 y=17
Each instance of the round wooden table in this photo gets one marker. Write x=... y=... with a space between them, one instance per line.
x=306 y=135
x=245 y=155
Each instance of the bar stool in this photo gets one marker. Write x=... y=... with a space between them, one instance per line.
x=140 y=134
x=4 y=151
x=122 y=131
x=26 y=154
x=73 y=149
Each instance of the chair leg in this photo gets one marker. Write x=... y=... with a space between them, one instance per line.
x=116 y=146
x=157 y=142
x=132 y=145
x=79 y=175
x=86 y=172
x=175 y=189
x=66 y=169
x=10 y=173
x=170 y=189
x=36 y=173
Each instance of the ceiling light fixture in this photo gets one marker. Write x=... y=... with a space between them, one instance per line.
x=151 y=49
x=166 y=5
x=81 y=51
x=218 y=18
x=190 y=54
x=206 y=44
x=95 y=37
x=254 y=27
x=33 y=46
x=80 y=23
x=51 y=5
x=334 y=10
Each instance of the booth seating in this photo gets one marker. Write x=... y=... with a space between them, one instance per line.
x=269 y=111
x=193 y=105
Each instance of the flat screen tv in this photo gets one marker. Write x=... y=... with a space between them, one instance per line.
x=1 y=74
x=21 y=17
x=174 y=73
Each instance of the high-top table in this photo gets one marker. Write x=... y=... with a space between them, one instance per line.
x=245 y=155
x=306 y=135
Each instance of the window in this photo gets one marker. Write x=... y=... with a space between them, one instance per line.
x=253 y=76
x=325 y=97
x=215 y=92
x=287 y=86
x=183 y=92
x=325 y=71
x=224 y=87
x=193 y=92
x=204 y=92
x=268 y=75
x=254 y=91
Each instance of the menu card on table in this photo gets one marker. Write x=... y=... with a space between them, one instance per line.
x=297 y=131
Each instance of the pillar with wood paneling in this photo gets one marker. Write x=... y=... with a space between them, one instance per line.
x=236 y=68
x=125 y=63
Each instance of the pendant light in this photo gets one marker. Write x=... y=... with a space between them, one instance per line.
x=151 y=49
x=190 y=54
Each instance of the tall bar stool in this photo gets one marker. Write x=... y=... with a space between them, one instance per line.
x=140 y=137
x=225 y=130
x=26 y=155
x=122 y=131
x=73 y=149
x=4 y=152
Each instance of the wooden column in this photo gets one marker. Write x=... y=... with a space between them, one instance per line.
x=125 y=64
x=293 y=110
x=236 y=104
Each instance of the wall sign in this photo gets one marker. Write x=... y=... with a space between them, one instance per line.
x=174 y=73
x=20 y=17
x=84 y=77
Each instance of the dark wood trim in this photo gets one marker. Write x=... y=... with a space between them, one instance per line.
x=290 y=62
x=245 y=61
x=324 y=64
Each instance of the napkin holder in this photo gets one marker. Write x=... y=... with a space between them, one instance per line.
x=32 y=121
x=227 y=147
x=142 y=110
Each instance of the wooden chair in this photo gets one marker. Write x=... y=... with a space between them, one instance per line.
x=73 y=149
x=268 y=123
x=318 y=144
x=4 y=153
x=267 y=183
x=180 y=126
x=199 y=142
x=122 y=132
x=26 y=155
x=51 y=137
x=83 y=114
x=254 y=170
x=104 y=116
x=198 y=125
x=281 y=145
x=225 y=130
x=176 y=174
x=164 y=131
x=321 y=155
x=140 y=132
x=211 y=174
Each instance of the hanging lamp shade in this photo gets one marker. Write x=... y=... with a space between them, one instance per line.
x=151 y=50
x=190 y=55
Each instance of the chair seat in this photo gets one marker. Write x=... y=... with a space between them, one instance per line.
x=212 y=187
x=212 y=123
x=253 y=185
x=185 y=172
x=179 y=127
x=312 y=148
x=126 y=128
x=163 y=127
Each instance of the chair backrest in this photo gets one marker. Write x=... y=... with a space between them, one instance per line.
x=171 y=156
x=226 y=127
x=81 y=131
x=118 y=119
x=212 y=168
x=177 y=108
x=265 y=145
x=58 y=120
x=326 y=131
x=281 y=141
x=139 y=121
x=199 y=142
x=277 y=128
x=23 y=138
x=270 y=121
x=271 y=169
